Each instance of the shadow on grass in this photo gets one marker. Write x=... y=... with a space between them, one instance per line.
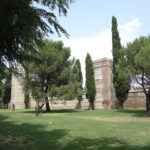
x=134 y=112
x=53 y=111
x=105 y=143
x=35 y=137
x=28 y=137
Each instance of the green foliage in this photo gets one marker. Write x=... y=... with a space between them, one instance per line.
x=138 y=60
x=6 y=91
x=142 y=58
x=138 y=56
x=2 y=77
x=51 y=71
x=120 y=71
x=24 y=23
x=73 y=89
x=133 y=49
x=78 y=78
x=90 y=81
x=116 y=44
x=122 y=80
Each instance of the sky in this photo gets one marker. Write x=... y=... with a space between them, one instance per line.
x=89 y=25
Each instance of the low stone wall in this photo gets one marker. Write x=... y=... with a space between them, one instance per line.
x=72 y=104
x=135 y=100
x=61 y=104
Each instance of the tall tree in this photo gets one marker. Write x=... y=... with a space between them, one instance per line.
x=138 y=60
x=116 y=44
x=90 y=82
x=50 y=71
x=122 y=80
x=25 y=22
x=79 y=78
x=120 y=77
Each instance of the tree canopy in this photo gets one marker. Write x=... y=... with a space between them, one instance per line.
x=138 y=60
x=50 y=71
x=25 y=22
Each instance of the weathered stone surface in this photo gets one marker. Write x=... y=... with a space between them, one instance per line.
x=103 y=78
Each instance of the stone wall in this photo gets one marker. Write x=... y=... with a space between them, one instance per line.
x=104 y=90
x=136 y=99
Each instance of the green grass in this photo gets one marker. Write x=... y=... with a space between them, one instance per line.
x=74 y=130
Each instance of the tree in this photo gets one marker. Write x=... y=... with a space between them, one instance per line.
x=78 y=73
x=122 y=81
x=50 y=71
x=120 y=74
x=24 y=23
x=116 y=44
x=73 y=89
x=90 y=82
x=138 y=60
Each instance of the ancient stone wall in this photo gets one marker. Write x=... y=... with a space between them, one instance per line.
x=136 y=99
x=104 y=88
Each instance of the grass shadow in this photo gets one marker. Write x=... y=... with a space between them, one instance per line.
x=28 y=137
x=133 y=112
x=104 y=143
x=53 y=111
x=14 y=136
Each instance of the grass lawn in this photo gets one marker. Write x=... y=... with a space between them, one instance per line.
x=74 y=130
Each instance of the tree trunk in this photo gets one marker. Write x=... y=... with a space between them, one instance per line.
x=47 y=104
x=37 y=110
x=148 y=104
x=27 y=101
x=78 y=104
x=120 y=104
x=91 y=105
x=26 y=94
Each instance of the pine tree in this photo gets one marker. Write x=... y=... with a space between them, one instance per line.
x=49 y=72
x=24 y=23
x=90 y=82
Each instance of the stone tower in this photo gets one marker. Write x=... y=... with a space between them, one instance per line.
x=103 y=79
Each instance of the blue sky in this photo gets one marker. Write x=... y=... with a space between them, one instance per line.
x=89 y=25
x=87 y=17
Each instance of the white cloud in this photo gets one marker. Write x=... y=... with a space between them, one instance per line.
x=132 y=26
x=99 y=45
x=130 y=30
